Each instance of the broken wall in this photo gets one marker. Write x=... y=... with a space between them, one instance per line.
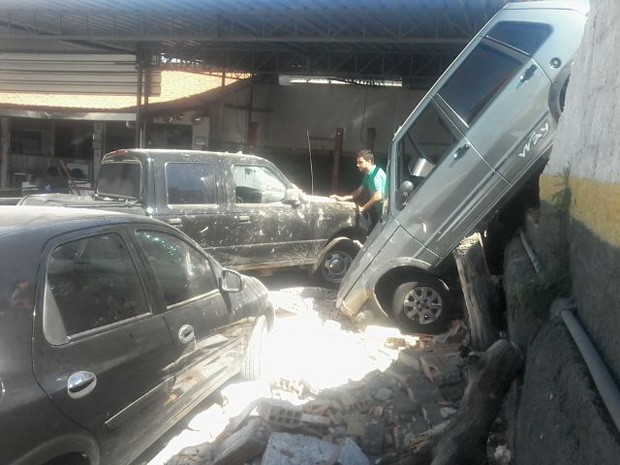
x=577 y=235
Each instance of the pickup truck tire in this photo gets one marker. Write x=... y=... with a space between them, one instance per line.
x=253 y=362
x=422 y=306
x=335 y=264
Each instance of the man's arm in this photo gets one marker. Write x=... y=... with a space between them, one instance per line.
x=352 y=196
x=376 y=198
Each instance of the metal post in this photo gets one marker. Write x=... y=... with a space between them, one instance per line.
x=338 y=144
x=4 y=150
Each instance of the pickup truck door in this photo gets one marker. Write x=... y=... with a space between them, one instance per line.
x=264 y=230
x=189 y=200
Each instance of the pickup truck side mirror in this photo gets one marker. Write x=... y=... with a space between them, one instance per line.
x=404 y=192
x=292 y=197
x=231 y=281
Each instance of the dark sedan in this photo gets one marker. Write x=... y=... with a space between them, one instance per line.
x=112 y=327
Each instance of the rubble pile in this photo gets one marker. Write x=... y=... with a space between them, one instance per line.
x=354 y=398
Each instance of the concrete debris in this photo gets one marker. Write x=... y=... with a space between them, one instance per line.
x=385 y=392
x=297 y=449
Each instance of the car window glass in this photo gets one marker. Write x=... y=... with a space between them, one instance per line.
x=122 y=179
x=190 y=183
x=426 y=142
x=257 y=184
x=477 y=80
x=525 y=37
x=182 y=271
x=93 y=282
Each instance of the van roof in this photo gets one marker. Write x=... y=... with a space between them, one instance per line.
x=582 y=6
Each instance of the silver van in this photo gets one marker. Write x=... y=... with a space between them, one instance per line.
x=483 y=130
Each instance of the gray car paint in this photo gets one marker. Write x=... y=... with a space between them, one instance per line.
x=506 y=144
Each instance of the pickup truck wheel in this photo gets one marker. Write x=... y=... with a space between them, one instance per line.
x=422 y=306
x=253 y=362
x=335 y=265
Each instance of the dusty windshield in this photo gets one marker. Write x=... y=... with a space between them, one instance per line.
x=119 y=180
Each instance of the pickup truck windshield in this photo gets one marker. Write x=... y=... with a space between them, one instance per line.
x=120 y=179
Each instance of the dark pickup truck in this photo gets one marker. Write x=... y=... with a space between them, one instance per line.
x=240 y=208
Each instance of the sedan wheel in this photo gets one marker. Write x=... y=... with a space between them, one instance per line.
x=422 y=306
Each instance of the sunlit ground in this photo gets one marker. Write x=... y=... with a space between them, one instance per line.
x=307 y=352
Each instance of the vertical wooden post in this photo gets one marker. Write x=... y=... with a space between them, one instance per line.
x=479 y=293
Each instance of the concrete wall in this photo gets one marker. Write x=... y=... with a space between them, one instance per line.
x=561 y=417
x=287 y=114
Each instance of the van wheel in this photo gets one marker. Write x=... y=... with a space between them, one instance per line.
x=422 y=306
x=253 y=361
x=335 y=265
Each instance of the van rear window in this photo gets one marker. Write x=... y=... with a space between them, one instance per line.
x=525 y=37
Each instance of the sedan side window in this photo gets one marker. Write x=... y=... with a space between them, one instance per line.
x=91 y=282
x=183 y=273
x=257 y=184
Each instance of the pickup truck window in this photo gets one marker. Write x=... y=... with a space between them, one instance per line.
x=257 y=184
x=525 y=37
x=183 y=272
x=480 y=77
x=120 y=179
x=190 y=183
x=90 y=283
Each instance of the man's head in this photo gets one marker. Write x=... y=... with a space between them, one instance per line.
x=365 y=160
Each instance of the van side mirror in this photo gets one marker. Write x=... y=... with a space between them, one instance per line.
x=292 y=197
x=404 y=192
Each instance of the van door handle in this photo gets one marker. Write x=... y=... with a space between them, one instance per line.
x=461 y=151
x=528 y=73
x=81 y=384
x=186 y=334
x=174 y=221
x=243 y=218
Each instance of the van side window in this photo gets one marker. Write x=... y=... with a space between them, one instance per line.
x=190 y=183
x=525 y=37
x=425 y=143
x=480 y=77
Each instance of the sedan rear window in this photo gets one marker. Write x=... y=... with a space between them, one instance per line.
x=90 y=283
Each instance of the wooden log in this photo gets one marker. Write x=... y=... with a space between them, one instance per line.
x=464 y=440
x=480 y=295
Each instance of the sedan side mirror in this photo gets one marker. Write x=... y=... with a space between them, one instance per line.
x=292 y=197
x=404 y=192
x=231 y=281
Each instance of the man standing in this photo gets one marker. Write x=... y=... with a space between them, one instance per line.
x=373 y=183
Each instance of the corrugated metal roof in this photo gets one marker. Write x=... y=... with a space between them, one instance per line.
x=368 y=39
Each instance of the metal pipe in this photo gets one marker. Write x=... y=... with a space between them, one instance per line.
x=530 y=252
x=607 y=388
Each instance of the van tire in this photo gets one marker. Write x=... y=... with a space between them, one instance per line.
x=422 y=306
x=253 y=367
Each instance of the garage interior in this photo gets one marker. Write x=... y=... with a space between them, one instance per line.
x=304 y=84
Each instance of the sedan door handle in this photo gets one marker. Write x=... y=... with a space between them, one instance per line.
x=81 y=384
x=243 y=218
x=174 y=221
x=461 y=151
x=528 y=74
x=186 y=334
